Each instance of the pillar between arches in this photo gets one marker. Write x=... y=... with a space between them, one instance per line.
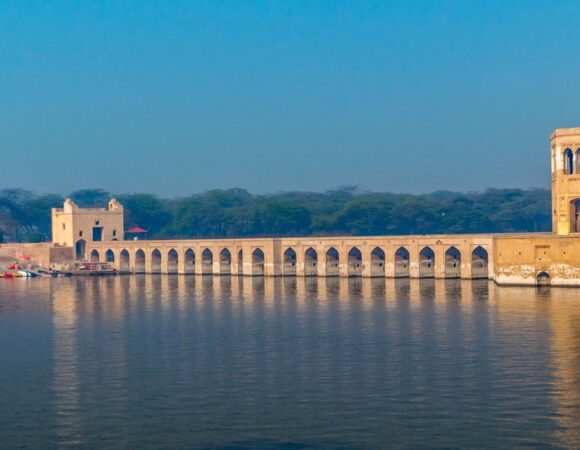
x=234 y=261
x=300 y=268
x=198 y=268
x=389 y=261
x=164 y=260
x=321 y=267
x=216 y=265
x=343 y=262
x=414 y=271
x=366 y=261
x=247 y=258
x=180 y=261
x=439 y=261
x=465 y=253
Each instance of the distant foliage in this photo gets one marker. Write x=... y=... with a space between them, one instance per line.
x=235 y=212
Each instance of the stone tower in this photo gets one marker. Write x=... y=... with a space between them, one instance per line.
x=74 y=227
x=565 y=153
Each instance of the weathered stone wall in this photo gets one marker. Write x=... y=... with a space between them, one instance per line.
x=537 y=259
x=43 y=254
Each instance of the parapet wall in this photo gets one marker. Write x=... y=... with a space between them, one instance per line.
x=43 y=254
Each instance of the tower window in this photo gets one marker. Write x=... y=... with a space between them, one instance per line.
x=114 y=232
x=64 y=226
x=568 y=162
x=80 y=234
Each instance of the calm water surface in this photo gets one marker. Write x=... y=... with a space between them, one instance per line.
x=203 y=362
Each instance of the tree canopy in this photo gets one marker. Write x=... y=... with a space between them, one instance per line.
x=25 y=216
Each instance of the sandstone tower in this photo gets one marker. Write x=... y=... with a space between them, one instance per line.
x=75 y=227
x=565 y=152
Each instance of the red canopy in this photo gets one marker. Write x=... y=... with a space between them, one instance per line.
x=136 y=230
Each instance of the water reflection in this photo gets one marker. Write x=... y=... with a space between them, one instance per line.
x=186 y=361
x=66 y=379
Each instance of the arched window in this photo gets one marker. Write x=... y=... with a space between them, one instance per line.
x=225 y=262
x=172 y=261
x=189 y=260
x=575 y=216
x=354 y=262
x=258 y=260
x=332 y=261
x=479 y=263
x=124 y=260
x=568 y=162
x=377 y=262
x=139 y=261
x=206 y=261
x=289 y=261
x=156 y=261
x=310 y=262
x=80 y=248
x=402 y=268
x=452 y=263
x=427 y=262
x=95 y=257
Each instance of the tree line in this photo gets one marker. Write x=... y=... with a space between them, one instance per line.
x=25 y=216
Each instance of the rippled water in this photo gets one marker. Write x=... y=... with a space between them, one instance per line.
x=189 y=362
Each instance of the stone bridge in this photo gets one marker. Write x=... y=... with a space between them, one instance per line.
x=433 y=256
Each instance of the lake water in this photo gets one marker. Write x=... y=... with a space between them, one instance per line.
x=210 y=362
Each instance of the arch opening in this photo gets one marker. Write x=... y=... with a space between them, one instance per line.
x=95 y=257
x=575 y=216
x=568 y=162
x=543 y=279
x=172 y=261
x=310 y=262
x=452 y=263
x=377 y=262
x=80 y=249
x=427 y=263
x=479 y=263
x=355 y=265
x=289 y=268
x=189 y=261
x=206 y=262
x=109 y=256
x=402 y=269
x=124 y=260
x=225 y=262
x=139 y=261
x=155 y=261
x=332 y=262
x=258 y=262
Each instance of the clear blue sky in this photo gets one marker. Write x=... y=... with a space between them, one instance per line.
x=175 y=97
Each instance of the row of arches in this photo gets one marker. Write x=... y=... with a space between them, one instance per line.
x=225 y=263
x=140 y=265
x=479 y=262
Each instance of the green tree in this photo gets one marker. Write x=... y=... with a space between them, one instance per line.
x=91 y=198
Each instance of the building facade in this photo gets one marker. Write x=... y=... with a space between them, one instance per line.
x=565 y=164
x=78 y=227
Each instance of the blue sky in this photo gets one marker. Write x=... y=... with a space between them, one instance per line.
x=181 y=97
